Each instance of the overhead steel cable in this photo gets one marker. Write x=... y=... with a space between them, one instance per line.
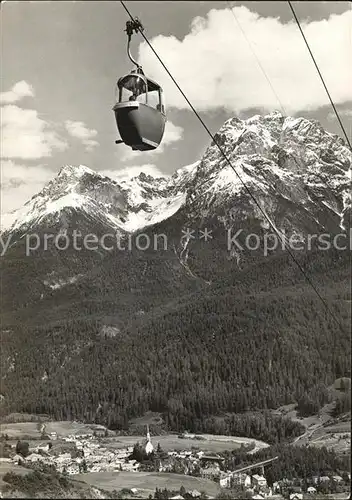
x=277 y=232
x=320 y=75
x=258 y=60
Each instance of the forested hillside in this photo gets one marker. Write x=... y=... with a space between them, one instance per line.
x=254 y=341
x=201 y=328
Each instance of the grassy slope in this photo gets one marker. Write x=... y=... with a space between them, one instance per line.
x=148 y=481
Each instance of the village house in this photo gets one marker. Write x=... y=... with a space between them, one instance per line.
x=166 y=466
x=338 y=479
x=18 y=459
x=320 y=479
x=225 y=482
x=311 y=490
x=131 y=465
x=296 y=496
x=73 y=469
x=230 y=478
x=45 y=447
x=258 y=481
x=276 y=487
x=211 y=472
x=34 y=457
x=194 y=493
x=242 y=480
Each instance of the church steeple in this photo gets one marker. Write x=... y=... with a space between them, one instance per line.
x=148 y=447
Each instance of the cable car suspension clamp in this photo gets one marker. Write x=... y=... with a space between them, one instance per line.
x=131 y=27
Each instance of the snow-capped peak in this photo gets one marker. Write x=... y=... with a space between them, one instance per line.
x=75 y=171
x=127 y=205
x=276 y=157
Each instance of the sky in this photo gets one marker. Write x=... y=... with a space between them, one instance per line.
x=61 y=61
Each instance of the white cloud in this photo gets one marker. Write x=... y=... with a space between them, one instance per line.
x=215 y=67
x=80 y=131
x=133 y=171
x=25 y=135
x=19 y=183
x=342 y=113
x=17 y=92
x=172 y=134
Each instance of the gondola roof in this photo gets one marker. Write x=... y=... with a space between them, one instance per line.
x=152 y=85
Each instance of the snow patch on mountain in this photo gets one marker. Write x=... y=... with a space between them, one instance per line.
x=158 y=210
x=128 y=205
x=66 y=190
x=59 y=283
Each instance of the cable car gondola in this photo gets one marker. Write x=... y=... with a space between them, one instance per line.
x=139 y=110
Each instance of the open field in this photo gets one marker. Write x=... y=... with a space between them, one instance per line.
x=149 y=418
x=18 y=430
x=67 y=428
x=147 y=481
x=217 y=439
x=32 y=430
x=171 y=442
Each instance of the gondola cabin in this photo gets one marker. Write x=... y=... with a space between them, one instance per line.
x=140 y=111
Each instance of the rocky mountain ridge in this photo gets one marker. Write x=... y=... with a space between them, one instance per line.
x=299 y=174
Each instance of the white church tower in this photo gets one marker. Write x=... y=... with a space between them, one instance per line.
x=148 y=447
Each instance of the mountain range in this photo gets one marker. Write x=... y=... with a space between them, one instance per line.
x=165 y=309
x=288 y=163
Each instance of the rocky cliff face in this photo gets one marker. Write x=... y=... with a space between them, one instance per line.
x=299 y=174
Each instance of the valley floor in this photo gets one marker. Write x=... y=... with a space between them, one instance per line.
x=107 y=463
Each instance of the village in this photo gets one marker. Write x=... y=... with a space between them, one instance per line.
x=79 y=454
